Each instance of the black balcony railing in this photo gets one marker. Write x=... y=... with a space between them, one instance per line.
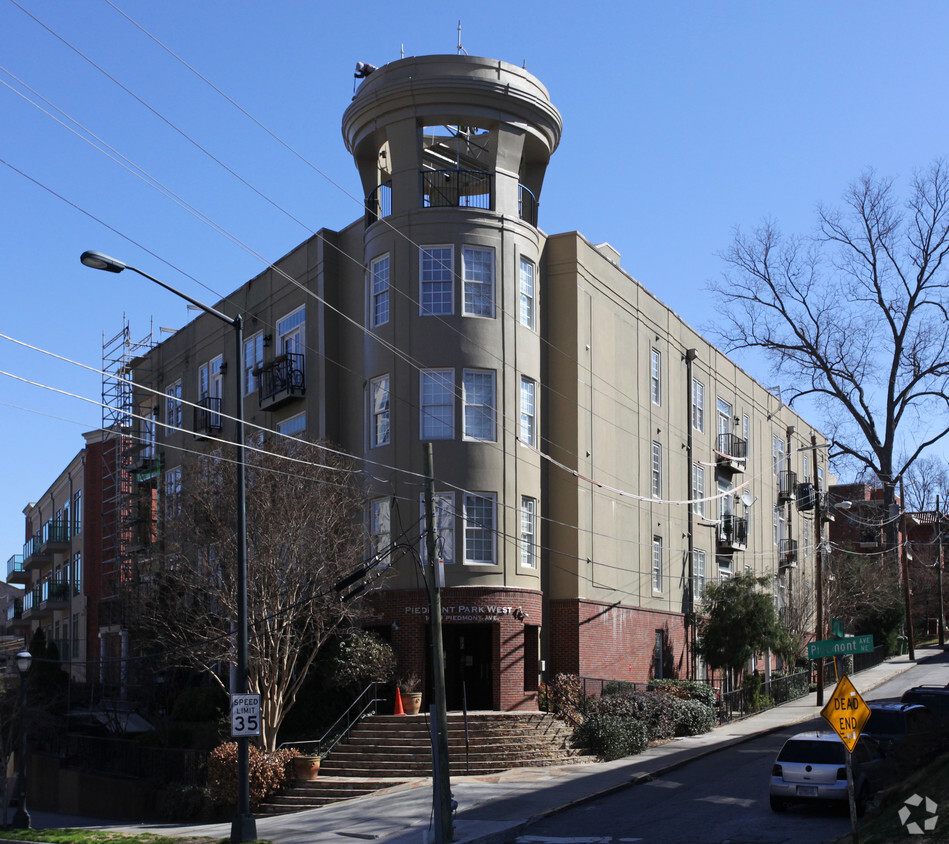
x=283 y=377
x=55 y=590
x=56 y=532
x=526 y=205
x=15 y=610
x=731 y=447
x=207 y=415
x=788 y=551
x=787 y=486
x=379 y=203
x=733 y=531
x=456 y=189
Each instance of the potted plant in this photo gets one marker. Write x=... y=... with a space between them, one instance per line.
x=306 y=766
x=410 y=687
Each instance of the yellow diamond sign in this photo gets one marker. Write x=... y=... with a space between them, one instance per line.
x=846 y=712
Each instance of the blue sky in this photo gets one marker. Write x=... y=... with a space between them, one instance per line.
x=681 y=121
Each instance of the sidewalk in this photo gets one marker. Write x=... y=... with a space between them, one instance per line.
x=492 y=808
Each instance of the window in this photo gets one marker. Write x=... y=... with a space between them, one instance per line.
x=379 y=413
x=780 y=524
x=655 y=376
x=657 y=470
x=216 y=394
x=291 y=333
x=477 y=266
x=444 y=526
x=75 y=635
x=76 y=576
x=293 y=426
x=148 y=433
x=657 y=564
x=698 y=574
x=253 y=357
x=528 y=418
x=746 y=432
x=379 y=275
x=436 y=274
x=173 y=405
x=77 y=512
x=173 y=491
x=777 y=454
x=698 y=405
x=528 y=294
x=437 y=412
x=379 y=520
x=805 y=469
x=528 y=532
x=479 y=403
x=724 y=411
x=698 y=489
x=820 y=478
x=479 y=529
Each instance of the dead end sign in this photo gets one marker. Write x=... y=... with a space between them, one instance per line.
x=846 y=712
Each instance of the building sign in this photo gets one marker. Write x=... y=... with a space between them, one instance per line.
x=469 y=612
x=245 y=715
x=846 y=712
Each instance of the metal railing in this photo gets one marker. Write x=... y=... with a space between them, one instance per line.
x=56 y=531
x=365 y=704
x=32 y=546
x=285 y=373
x=207 y=415
x=526 y=205
x=732 y=447
x=379 y=203
x=771 y=693
x=787 y=486
x=733 y=531
x=456 y=189
x=14 y=564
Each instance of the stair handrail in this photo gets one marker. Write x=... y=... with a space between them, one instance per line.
x=331 y=737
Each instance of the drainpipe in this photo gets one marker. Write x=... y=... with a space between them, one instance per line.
x=690 y=636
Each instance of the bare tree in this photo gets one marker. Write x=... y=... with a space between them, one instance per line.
x=305 y=535
x=925 y=482
x=863 y=593
x=855 y=318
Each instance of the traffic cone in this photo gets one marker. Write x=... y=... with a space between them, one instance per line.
x=398 y=703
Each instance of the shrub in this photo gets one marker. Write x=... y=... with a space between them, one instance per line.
x=359 y=658
x=269 y=772
x=612 y=736
x=655 y=711
x=566 y=698
x=692 y=717
x=615 y=687
x=686 y=689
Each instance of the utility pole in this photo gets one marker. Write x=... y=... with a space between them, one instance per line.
x=907 y=599
x=441 y=781
x=942 y=608
x=818 y=570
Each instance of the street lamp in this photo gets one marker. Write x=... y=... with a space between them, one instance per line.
x=243 y=827
x=21 y=820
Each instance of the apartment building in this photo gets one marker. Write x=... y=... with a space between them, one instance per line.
x=596 y=461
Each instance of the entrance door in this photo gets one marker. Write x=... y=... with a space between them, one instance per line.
x=468 y=666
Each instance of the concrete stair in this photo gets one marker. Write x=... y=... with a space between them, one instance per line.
x=387 y=750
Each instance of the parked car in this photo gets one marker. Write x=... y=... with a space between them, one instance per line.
x=935 y=698
x=893 y=724
x=812 y=767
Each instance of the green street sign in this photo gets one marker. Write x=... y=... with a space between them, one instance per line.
x=840 y=647
x=836 y=628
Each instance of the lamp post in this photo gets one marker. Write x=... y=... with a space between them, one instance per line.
x=21 y=820
x=243 y=826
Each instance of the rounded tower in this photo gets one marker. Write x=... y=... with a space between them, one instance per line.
x=452 y=152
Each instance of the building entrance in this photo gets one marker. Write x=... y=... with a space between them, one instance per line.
x=468 y=665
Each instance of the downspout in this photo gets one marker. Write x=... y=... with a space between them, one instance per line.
x=690 y=621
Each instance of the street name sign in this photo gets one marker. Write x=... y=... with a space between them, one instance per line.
x=840 y=647
x=846 y=712
x=245 y=715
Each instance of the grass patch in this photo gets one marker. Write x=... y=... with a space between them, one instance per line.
x=104 y=836
x=882 y=825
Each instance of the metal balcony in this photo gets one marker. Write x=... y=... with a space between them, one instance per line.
x=15 y=614
x=731 y=452
x=379 y=203
x=457 y=189
x=15 y=571
x=35 y=553
x=56 y=536
x=207 y=416
x=280 y=380
x=787 y=487
x=788 y=554
x=526 y=205
x=733 y=533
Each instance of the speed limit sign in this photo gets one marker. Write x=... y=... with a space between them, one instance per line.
x=245 y=715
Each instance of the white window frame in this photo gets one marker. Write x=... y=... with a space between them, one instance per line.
x=528 y=409
x=655 y=376
x=477 y=287
x=480 y=411
x=698 y=405
x=380 y=524
x=657 y=564
x=436 y=277
x=291 y=332
x=292 y=426
x=656 y=469
x=380 y=430
x=480 y=528
x=173 y=406
x=698 y=489
x=173 y=491
x=528 y=555
x=379 y=274
x=698 y=573
x=527 y=288
x=253 y=358
x=778 y=456
x=433 y=426
x=216 y=388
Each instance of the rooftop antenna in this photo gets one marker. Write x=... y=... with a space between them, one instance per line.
x=460 y=48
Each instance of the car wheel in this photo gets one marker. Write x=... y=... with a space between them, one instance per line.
x=863 y=800
x=778 y=804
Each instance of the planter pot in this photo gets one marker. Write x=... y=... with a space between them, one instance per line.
x=306 y=767
x=411 y=702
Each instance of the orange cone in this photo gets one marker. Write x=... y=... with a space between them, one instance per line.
x=398 y=703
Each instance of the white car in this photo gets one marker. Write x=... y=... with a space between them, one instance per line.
x=812 y=767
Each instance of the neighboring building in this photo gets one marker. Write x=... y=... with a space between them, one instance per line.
x=595 y=458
